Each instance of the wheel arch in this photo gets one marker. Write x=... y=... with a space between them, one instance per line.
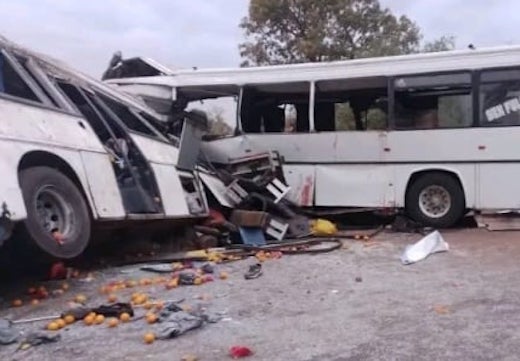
x=454 y=173
x=39 y=158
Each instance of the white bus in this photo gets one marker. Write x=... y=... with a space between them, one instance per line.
x=436 y=134
x=74 y=153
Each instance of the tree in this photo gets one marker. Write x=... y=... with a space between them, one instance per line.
x=293 y=31
x=444 y=43
x=217 y=126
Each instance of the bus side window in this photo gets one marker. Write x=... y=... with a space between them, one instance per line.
x=500 y=98
x=351 y=104
x=12 y=83
x=433 y=101
x=275 y=108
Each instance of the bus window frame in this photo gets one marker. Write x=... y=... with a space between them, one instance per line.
x=482 y=82
x=392 y=91
x=26 y=77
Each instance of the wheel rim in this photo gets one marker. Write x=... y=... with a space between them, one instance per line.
x=54 y=212
x=435 y=201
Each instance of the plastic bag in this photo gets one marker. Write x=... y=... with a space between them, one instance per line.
x=323 y=227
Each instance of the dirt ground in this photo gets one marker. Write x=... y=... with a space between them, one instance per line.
x=357 y=303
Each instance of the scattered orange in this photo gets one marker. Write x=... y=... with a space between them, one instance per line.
x=151 y=318
x=112 y=298
x=131 y=283
x=53 y=326
x=148 y=306
x=69 y=319
x=113 y=322
x=172 y=284
x=31 y=291
x=223 y=275
x=99 y=319
x=65 y=286
x=35 y=302
x=80 y=298
x=145 y=282
x=141 y=299
x=149 y=338
x=197 y=281
x=124 y=317
x=17 y=303
x=75 y=274
x=61 y=322
x=159 y=305
x=89 y=320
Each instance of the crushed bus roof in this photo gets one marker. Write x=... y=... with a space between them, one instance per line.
x=455 y=60
x=62 y=70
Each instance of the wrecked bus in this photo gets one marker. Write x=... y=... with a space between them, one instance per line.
x=435 y=135
x=76 y=153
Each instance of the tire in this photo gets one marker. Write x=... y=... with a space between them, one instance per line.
x=436 y=200
x=54 y=204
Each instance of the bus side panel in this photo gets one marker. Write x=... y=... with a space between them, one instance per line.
x=13 y=152
x=466 y=173
x=355 y=185
x=102 y=185
x=170 y=188
x=10 y=192
x=156 y=151
x=498 y=186
x=302 y=179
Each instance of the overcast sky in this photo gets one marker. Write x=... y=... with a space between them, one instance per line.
x=205 y=33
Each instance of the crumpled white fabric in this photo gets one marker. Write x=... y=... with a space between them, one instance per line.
x=432 y=243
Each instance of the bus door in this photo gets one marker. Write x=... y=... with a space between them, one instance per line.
x=134 y=176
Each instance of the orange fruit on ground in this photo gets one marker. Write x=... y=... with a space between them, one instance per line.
x=172 y=284
x=112 y=322
x=35 y=302
x=130 y=283
x=124 y=317
x=141 y=299
x=112 y=298
x=223 y=275
x=197 y=281
x=148 y=306
x=89 y=320
x=151 y=318
x=61 y=322
x=31 y=291
x=145 y=282
x=80 y=298
x=99 y=319
x=53 y=326
x=159 y=305
x=149 y=338
x=17 y=303
x=65 y=286
x=69 y=319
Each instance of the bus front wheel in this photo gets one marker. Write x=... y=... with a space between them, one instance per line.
x=58 y=221
x=435 y=199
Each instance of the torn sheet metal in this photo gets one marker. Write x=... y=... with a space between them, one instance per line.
x=432 y=243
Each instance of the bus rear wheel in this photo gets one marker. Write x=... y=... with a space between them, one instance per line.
x=58 y=221
x=436 y=200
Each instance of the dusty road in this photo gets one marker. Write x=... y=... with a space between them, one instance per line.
x=460 y=305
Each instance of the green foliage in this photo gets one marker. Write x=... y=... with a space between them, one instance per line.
x=293 y=31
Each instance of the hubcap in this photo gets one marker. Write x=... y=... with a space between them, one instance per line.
x=54 y=212
x=435 y=201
